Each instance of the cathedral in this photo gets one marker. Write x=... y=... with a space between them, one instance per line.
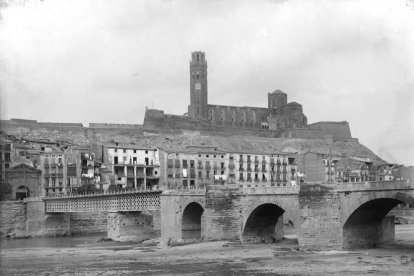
x=279 y=114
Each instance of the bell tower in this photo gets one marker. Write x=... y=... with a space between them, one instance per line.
x=198 y=86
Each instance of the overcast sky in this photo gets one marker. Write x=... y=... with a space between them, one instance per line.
x=104 y=61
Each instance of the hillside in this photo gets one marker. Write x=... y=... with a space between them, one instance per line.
x=179 y=140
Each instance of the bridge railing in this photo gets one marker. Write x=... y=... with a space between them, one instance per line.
x=100 y=194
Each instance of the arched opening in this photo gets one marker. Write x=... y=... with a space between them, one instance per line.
x=191 y=227
x=264 y=224
x=366 y=227
x=22 y=192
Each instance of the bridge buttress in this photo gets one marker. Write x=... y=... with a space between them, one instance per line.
x=133 y=226
x=41 y=224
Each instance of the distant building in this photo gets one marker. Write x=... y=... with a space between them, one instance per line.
x=354 y=169
x=279 y=119
x=279 y=113
x=386 y=172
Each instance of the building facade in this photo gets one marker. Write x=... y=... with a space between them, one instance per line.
x=136 y=168
x=198 y=167
x=6 y=158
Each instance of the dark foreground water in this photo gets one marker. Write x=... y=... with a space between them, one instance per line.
x=86 y=256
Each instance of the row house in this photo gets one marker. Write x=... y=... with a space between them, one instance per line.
x=198 y=167
x=6 y=158
x=195 y=167
x=61 y=172
x=66 y=171
x=263 y=169
x=137 y=168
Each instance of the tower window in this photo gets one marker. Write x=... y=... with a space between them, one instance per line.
x=198 y=58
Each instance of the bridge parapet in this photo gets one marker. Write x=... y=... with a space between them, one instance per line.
x=184 y=192
x=375 y=186
x=270 y=190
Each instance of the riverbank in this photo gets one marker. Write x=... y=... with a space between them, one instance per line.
x=85 y=256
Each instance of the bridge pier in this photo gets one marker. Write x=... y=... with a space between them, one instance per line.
x=133 y=226
x=41 y=224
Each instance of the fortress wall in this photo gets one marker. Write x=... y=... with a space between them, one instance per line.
x=48 y=124
x=303 y=133
x=338 y=130
x=108 y=125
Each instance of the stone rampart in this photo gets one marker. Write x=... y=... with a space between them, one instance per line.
x=338 y=130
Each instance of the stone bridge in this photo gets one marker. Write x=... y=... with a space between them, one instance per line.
x=324 y=216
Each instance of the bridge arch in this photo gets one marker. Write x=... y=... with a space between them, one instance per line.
x=264 y=223
x=191 y=221
x=362 y=224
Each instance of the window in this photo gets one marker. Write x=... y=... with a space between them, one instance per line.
x=222 y=172
x=116 y=150
x=207 y=156
x=135 y=151
x=124 y=150
x=146 y=152
x=222 y=165
x=215 y=156
x=199 y=155
x=222 y=156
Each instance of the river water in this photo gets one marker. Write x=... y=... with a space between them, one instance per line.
x=85 y=256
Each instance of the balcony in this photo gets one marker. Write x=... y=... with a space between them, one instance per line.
x=208 y=167
x=249 y=168
x=256 y=169
x=53 y=165
x=231 y=166
x=71 y=165
x=141 y=175
x=256 y=161
x=249 y=179
x=192 y=175
x=241 y=169
x=153 y=176
x=59 y=175
x=200 y=167
x=46 y=175
x=46 y=165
